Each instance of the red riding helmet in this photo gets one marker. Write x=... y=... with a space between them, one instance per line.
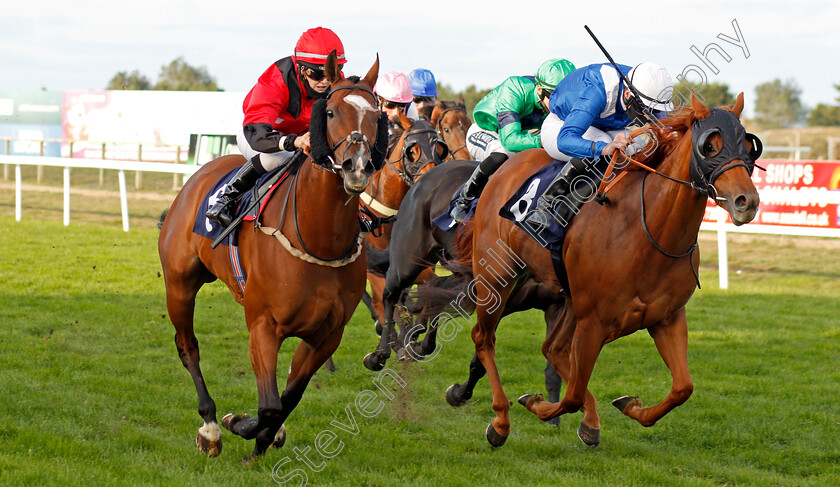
x=316 y=44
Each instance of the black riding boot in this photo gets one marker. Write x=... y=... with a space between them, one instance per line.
x=559 y=202
x=222 y=210
x=475 y=184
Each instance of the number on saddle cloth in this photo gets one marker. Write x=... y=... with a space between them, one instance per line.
x=528 y=199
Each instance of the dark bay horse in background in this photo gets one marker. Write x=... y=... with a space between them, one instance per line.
x=451 y=121
x=416 y=244
x=304 y=279
x=415 y=150
x=631 y=264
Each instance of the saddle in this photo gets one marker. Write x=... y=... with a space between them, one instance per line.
x=266 y=185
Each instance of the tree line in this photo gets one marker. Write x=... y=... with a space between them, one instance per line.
x=175 y=76
x=778 y=102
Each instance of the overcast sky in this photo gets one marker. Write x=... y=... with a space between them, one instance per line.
x=61 y=45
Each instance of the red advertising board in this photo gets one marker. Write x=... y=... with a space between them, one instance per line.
x=786 y=181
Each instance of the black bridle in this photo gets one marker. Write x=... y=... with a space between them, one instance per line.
x=706 y=168
x=354 y=137
x=408 y=173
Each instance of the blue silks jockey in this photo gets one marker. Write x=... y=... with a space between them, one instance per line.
x=590 y=109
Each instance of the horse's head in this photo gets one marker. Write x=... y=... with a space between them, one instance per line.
x=723 y=158
x=348 y=132
x=417 y=149
x=451 y=122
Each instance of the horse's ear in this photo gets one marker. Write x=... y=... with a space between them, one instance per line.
x=461 y=100
x=739 y=105
x=700 y=110
x=373 y=73
x=405 y=122
x=380 y=147
x=332 y=69
x=434 y=118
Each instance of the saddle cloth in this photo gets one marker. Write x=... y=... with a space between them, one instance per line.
x=528 y=198
x=444 y=221
x=210 y=229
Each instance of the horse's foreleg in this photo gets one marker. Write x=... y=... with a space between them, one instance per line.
x=377 y=285
x=557 y=350
x=428 y=345
x=181 y=304
x=307 y=360
x=671 y=338
x=376 y=359
x=553 y=381
x=459 y=394
x=484 y=337
x=264 y=343
x=396 y=281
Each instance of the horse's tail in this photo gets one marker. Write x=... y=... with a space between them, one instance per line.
x=441 y=294
x=162 y=218
x=378 y=261
x=444 y=293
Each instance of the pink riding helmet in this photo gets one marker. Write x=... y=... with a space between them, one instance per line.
x=394 y=86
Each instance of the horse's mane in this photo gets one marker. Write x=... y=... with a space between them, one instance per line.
x=447 y=104
x=396 y=134
x=668 y=134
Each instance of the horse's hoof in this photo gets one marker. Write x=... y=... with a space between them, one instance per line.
x=209 y=440
x=555 y=421
x=371 y=363
x=493 y=437
x=378 y=328
x=279 y=438
x=588 y=435
x=622 y=402
x=452 y=397
x=231 y=419
x=525 y=398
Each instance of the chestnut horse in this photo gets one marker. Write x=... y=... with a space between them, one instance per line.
x=415 y=150
x=451 y=121
x=304 y=279
x=630 y=263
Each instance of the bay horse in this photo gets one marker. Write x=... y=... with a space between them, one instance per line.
x=304 y=279
x=415 y=150
x=630 y=264
x=451 y=121
x=416 y=244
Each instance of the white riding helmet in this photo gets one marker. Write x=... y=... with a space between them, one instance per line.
x=394 y=86
x=655 y=85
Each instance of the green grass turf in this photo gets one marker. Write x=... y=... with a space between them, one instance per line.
x=92 y=391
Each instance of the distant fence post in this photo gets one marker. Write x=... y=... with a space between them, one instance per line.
x=66 y=196
x=177 y=179
x=123 y=200
x=723 y=259
x=40 y=168
x=102 y=171
x=138 y=175
x=18 y=184
x=6 y=166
